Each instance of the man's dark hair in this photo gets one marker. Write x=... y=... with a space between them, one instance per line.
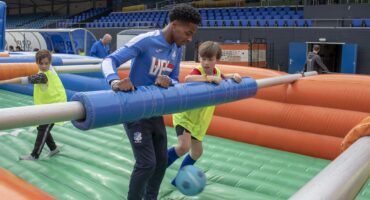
x=185 y=13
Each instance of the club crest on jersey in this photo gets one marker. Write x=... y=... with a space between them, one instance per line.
x=173 y=55
x=160 y=66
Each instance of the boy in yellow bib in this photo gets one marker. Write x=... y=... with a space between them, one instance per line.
x=47 y=89
x=191 y=126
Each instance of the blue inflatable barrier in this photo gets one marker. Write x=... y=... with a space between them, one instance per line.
x=83 y=83
x=104 y=108
x=2 y=25
x=22 y=89
x=28 y=59
x=28 y=89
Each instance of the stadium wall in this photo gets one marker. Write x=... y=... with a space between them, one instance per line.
x=279 y=38
x=344 y=11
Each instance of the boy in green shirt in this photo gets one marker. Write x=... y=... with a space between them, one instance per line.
x=191 y=126
x=47 y=89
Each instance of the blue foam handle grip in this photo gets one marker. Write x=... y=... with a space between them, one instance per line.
x=105 y=108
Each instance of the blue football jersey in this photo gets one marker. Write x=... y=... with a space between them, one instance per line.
x=151 y=56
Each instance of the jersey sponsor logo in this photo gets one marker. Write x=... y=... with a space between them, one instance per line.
x=160 y=66
x=137 y=137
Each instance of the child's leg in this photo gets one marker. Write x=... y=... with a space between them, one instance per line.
x=42 y=131
x=50 y=141
x=196 y=152
x=183 y=146
x=196 y=149
x=190 y=159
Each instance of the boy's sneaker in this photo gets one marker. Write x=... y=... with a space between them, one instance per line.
x=27 y=157
x=53 y=152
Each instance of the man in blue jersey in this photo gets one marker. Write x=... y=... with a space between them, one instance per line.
x=100 y=48
x=156 y=60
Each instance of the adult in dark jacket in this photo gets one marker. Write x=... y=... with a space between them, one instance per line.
x=314 y=62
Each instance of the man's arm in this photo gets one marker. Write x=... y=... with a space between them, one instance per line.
x=174 y=76
x=93 y=51
x=321 y=64
x=120 y=56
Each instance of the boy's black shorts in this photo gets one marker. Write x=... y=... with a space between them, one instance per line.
x=180 y=130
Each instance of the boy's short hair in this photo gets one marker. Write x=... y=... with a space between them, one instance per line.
x=316 y=47
x=185 y=13
x=41 y=54
x=209 y=49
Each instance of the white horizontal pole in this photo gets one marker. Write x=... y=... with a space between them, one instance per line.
x=83 y=68
x=81 y=61
x=278 y=80
x=40 y=114
x=343 y=178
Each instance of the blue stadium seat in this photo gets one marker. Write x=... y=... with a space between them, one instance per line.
x=236 y=22
x=261 y=22
x=356 y=22
x=227 y=23
x=277 y=17
x=250 y=17
x=291 y=12
x=219 y=23
x=367 y=22
x=268 y=17
x=286 y=17
x=253 y=22
x=282 y=13
x=271 y=22
x=244 y=23
x=270 y=9
x=308 y=22
x=289 y=22
x=300 y=22
x=280 y=22
x=256 y=13
x=296 y=17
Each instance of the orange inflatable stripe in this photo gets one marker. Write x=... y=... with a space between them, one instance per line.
x=14 y=70
x=348 y=92
x=13 y=187
x=318 y=120
x=4 y=54
x=321 y=146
